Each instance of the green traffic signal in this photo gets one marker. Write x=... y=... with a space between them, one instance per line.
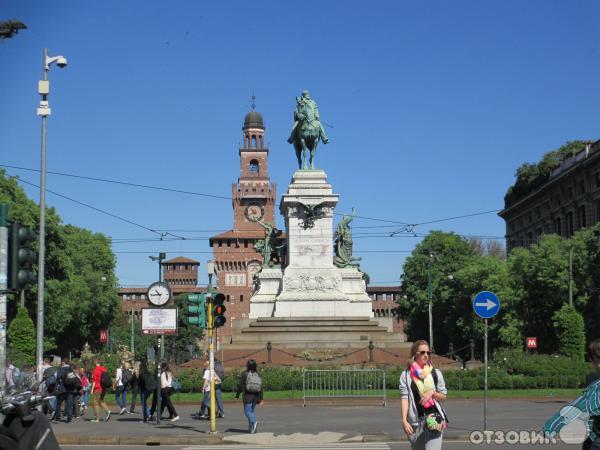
x=21 y=257
x=196 y=308
x=218 y=310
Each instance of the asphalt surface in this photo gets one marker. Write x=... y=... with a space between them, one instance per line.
x=289 y=424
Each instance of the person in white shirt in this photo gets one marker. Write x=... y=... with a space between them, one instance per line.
x=205 y=407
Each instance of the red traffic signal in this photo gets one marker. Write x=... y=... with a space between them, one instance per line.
x=219 y=310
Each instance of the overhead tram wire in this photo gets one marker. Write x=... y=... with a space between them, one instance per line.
x=125 y=183
x=162 y=235
x=181 y=191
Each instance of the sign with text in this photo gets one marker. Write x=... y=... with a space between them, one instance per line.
x=104 y=335
x=159 y=321
x=531 y=342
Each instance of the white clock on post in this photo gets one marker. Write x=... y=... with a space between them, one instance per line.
x=159 y=293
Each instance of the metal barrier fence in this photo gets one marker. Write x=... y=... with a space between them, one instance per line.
x=356 y=383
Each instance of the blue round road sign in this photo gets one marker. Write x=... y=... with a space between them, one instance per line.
x=486 y=304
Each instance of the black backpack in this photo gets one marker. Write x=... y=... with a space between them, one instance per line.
x=105 y=380
x=125 y=376
x=71 y=381
x=149 y=381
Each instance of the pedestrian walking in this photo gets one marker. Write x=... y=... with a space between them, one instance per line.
x=122 y=377
x=422 y=388
x=67 y=384
x=250 y=386
x=147 y=387
x=586 y=407
x=166 y=379
x=85 y=386
x=101 y=382
x=134 y=385
x=12 y=375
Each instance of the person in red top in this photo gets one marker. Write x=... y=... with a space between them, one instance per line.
x=98 y=392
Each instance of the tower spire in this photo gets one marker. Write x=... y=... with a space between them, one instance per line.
x=253 y=101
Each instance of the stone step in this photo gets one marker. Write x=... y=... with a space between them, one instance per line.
x=314 y=328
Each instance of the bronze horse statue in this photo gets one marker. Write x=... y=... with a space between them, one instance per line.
x=307 y=131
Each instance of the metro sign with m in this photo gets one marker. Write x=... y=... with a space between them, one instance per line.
x=103 y=335
x=531 y=343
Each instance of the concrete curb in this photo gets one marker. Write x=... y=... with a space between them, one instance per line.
x=220 y=439
x=69 y=439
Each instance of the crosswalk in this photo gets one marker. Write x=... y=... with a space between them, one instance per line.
x=332 y=446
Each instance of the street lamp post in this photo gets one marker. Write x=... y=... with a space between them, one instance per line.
x=44 y=111
x=430 y=303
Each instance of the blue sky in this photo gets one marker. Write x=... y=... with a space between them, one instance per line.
x=434 y=105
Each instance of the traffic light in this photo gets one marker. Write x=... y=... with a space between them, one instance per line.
x=218 y=310
x=21 y=257
x=196 y=308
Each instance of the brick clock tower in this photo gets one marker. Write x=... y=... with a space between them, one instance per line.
x=253 y=197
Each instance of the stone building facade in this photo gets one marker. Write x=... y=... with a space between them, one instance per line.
x=253 y=198
x=568 y=201
x=182 y=275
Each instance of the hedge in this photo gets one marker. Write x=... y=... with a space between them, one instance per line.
x=290 y=378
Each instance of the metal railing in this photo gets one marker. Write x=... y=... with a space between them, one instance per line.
x=355 y=383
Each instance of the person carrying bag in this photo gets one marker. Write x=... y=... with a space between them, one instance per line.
x=422 y=388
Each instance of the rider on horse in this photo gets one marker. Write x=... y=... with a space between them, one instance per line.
x=307 y=130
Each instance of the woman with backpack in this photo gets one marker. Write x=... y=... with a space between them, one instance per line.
x=422 y=388
x=250 y=386
x=122 y=377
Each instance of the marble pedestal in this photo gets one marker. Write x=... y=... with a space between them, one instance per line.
x=310 y=285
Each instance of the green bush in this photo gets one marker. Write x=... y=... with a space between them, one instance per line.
x=570 y=332
x=21 y=340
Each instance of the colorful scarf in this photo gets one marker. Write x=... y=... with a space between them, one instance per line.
x=424 y=381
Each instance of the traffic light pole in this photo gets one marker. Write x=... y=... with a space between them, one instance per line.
x=211 y=356
x=3 y=288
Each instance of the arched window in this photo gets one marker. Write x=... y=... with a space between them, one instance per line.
x=253 y=166
x=253 y=141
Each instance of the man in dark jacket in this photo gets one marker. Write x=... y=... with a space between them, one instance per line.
x=66 y=387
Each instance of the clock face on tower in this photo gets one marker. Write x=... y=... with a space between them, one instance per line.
x=254 y=212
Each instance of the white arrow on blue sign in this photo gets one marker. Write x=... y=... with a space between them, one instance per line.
x=486 y=304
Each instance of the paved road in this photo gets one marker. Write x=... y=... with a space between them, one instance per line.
x=448 y=445
x=285 y=423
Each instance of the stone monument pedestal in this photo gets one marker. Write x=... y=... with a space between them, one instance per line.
x=310 y=285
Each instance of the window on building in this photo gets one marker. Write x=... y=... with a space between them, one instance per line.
x=597 y=179
x=132 y=296
x=227 y=300
x=570 y=193
x=241 y=298
x=253 y=166
x=581 y=186
x=220 y=243
x=570 y=224
x=125 y=297
x=143 y=296
x=582 y=218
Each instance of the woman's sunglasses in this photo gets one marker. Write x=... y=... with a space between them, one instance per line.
x=424 y=353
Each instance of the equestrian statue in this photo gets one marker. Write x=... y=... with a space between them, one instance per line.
x=307 y=130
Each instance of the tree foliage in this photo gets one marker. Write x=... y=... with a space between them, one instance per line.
x=80 y=294
x=568 y=325
x=533 y=284
x=531 y=176
x=21 y=339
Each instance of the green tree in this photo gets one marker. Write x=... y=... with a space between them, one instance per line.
x=568 y=325
x=21 y=339
x=80 y=292
x=539 y=278
x=449 y=252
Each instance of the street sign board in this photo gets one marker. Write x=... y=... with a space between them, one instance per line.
x=103 y=335
x=531 y=342
x=159 y=321
x=486 y=304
